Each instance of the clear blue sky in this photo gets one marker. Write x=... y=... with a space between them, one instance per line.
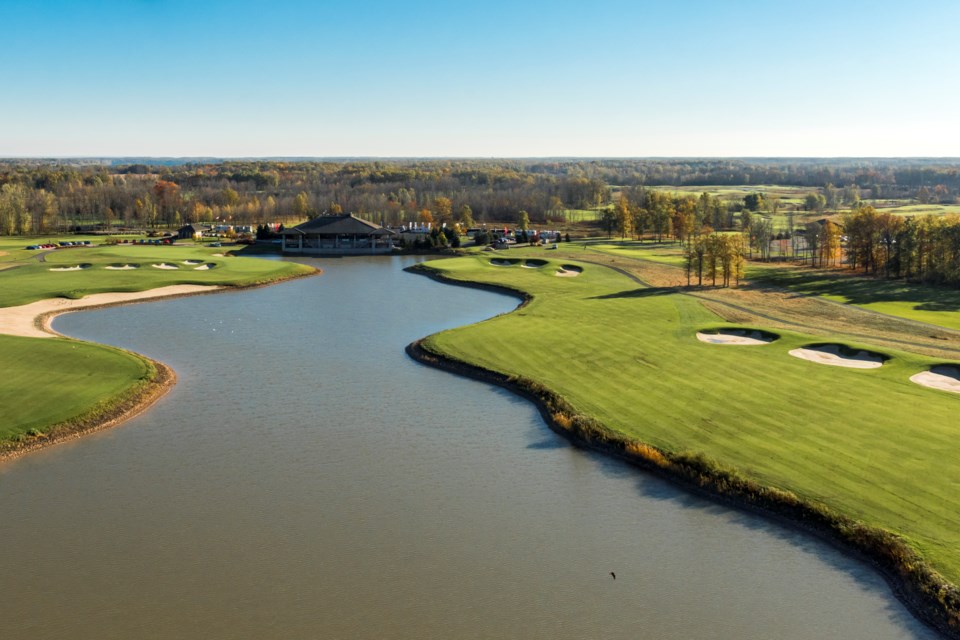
x=430 y=78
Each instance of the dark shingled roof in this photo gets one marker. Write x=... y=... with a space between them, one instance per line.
x=347 y=224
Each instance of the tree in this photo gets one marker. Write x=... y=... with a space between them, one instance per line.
x=624 y=217
x=753 y=201
x=301 y=206
x=523 y=221
x=466 y=217
x=814 y=202
x=442 y=209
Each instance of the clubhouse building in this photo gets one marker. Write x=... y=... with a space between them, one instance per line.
x=337 y=235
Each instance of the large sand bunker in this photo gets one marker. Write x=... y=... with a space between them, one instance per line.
x=22 y=320
x=122 y=267
x=742 y=337
x=205 y=267
x=569 y=271
x=500 y=262
x=164 y=265
x=945 y=377
x=839 y=355
x=78 y=267
x=193 y=262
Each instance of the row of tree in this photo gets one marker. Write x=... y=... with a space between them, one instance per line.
x=924 y=248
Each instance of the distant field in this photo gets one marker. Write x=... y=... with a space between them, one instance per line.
x=868 y=443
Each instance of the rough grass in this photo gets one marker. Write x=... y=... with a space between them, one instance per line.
x=867 y=443
x=923 y=303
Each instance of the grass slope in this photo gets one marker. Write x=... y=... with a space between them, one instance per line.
x=868 y=443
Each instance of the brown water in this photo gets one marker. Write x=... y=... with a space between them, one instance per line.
x=305 y=479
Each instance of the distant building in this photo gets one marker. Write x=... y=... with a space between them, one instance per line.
x=189 y=232
x=340 y=235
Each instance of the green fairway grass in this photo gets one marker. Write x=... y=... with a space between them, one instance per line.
x=50 y=381
x=27 y=279
x=869 y=444
x=667 y=253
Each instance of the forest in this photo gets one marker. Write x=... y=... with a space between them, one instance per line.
x=56 y=196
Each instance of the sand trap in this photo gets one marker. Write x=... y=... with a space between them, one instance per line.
x=833 y=355
x=943 y=376
x=740 y=337
x=164 y=265
x=192 y=262
x=563 y=273
x=122 y=267
x=534 y=264
x=205 y=267
x=78 y=267
x=218 y=255
x=22 y=320
x=502 y=263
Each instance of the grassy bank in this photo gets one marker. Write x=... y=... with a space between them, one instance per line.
x=57 y=388
x=867 y=445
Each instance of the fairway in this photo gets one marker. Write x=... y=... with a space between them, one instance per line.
x=869 y=444
x=47 y=382
x=147 y=266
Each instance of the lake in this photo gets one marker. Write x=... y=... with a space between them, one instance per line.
x=306 y=479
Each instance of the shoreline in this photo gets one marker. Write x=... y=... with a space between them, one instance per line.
x=924 y=593
x=34 y=320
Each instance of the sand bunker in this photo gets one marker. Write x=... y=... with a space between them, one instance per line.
x=534 y=264
x=192 y=262
x=164 y=265
x=568 y=271
x=945 y=377
x=22 y=320
x=205 y=267
x=497 y=262
x=122 y=267
x=742 y=337
x=839 y=356
x=78 y=267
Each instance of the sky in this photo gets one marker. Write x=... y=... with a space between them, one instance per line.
x=424 y=78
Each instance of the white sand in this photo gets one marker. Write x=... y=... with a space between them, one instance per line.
x=192 y=262
x=204 y=267
x=79 y=267
x=564 y=273
x=22 y=320
x=527 y=265
x=943 y=378
x=125 y=267
x=830 y=354
x=164 y=265
x=742 y=338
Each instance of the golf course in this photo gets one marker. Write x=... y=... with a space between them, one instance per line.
x=55 y=387
x=861 y=445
